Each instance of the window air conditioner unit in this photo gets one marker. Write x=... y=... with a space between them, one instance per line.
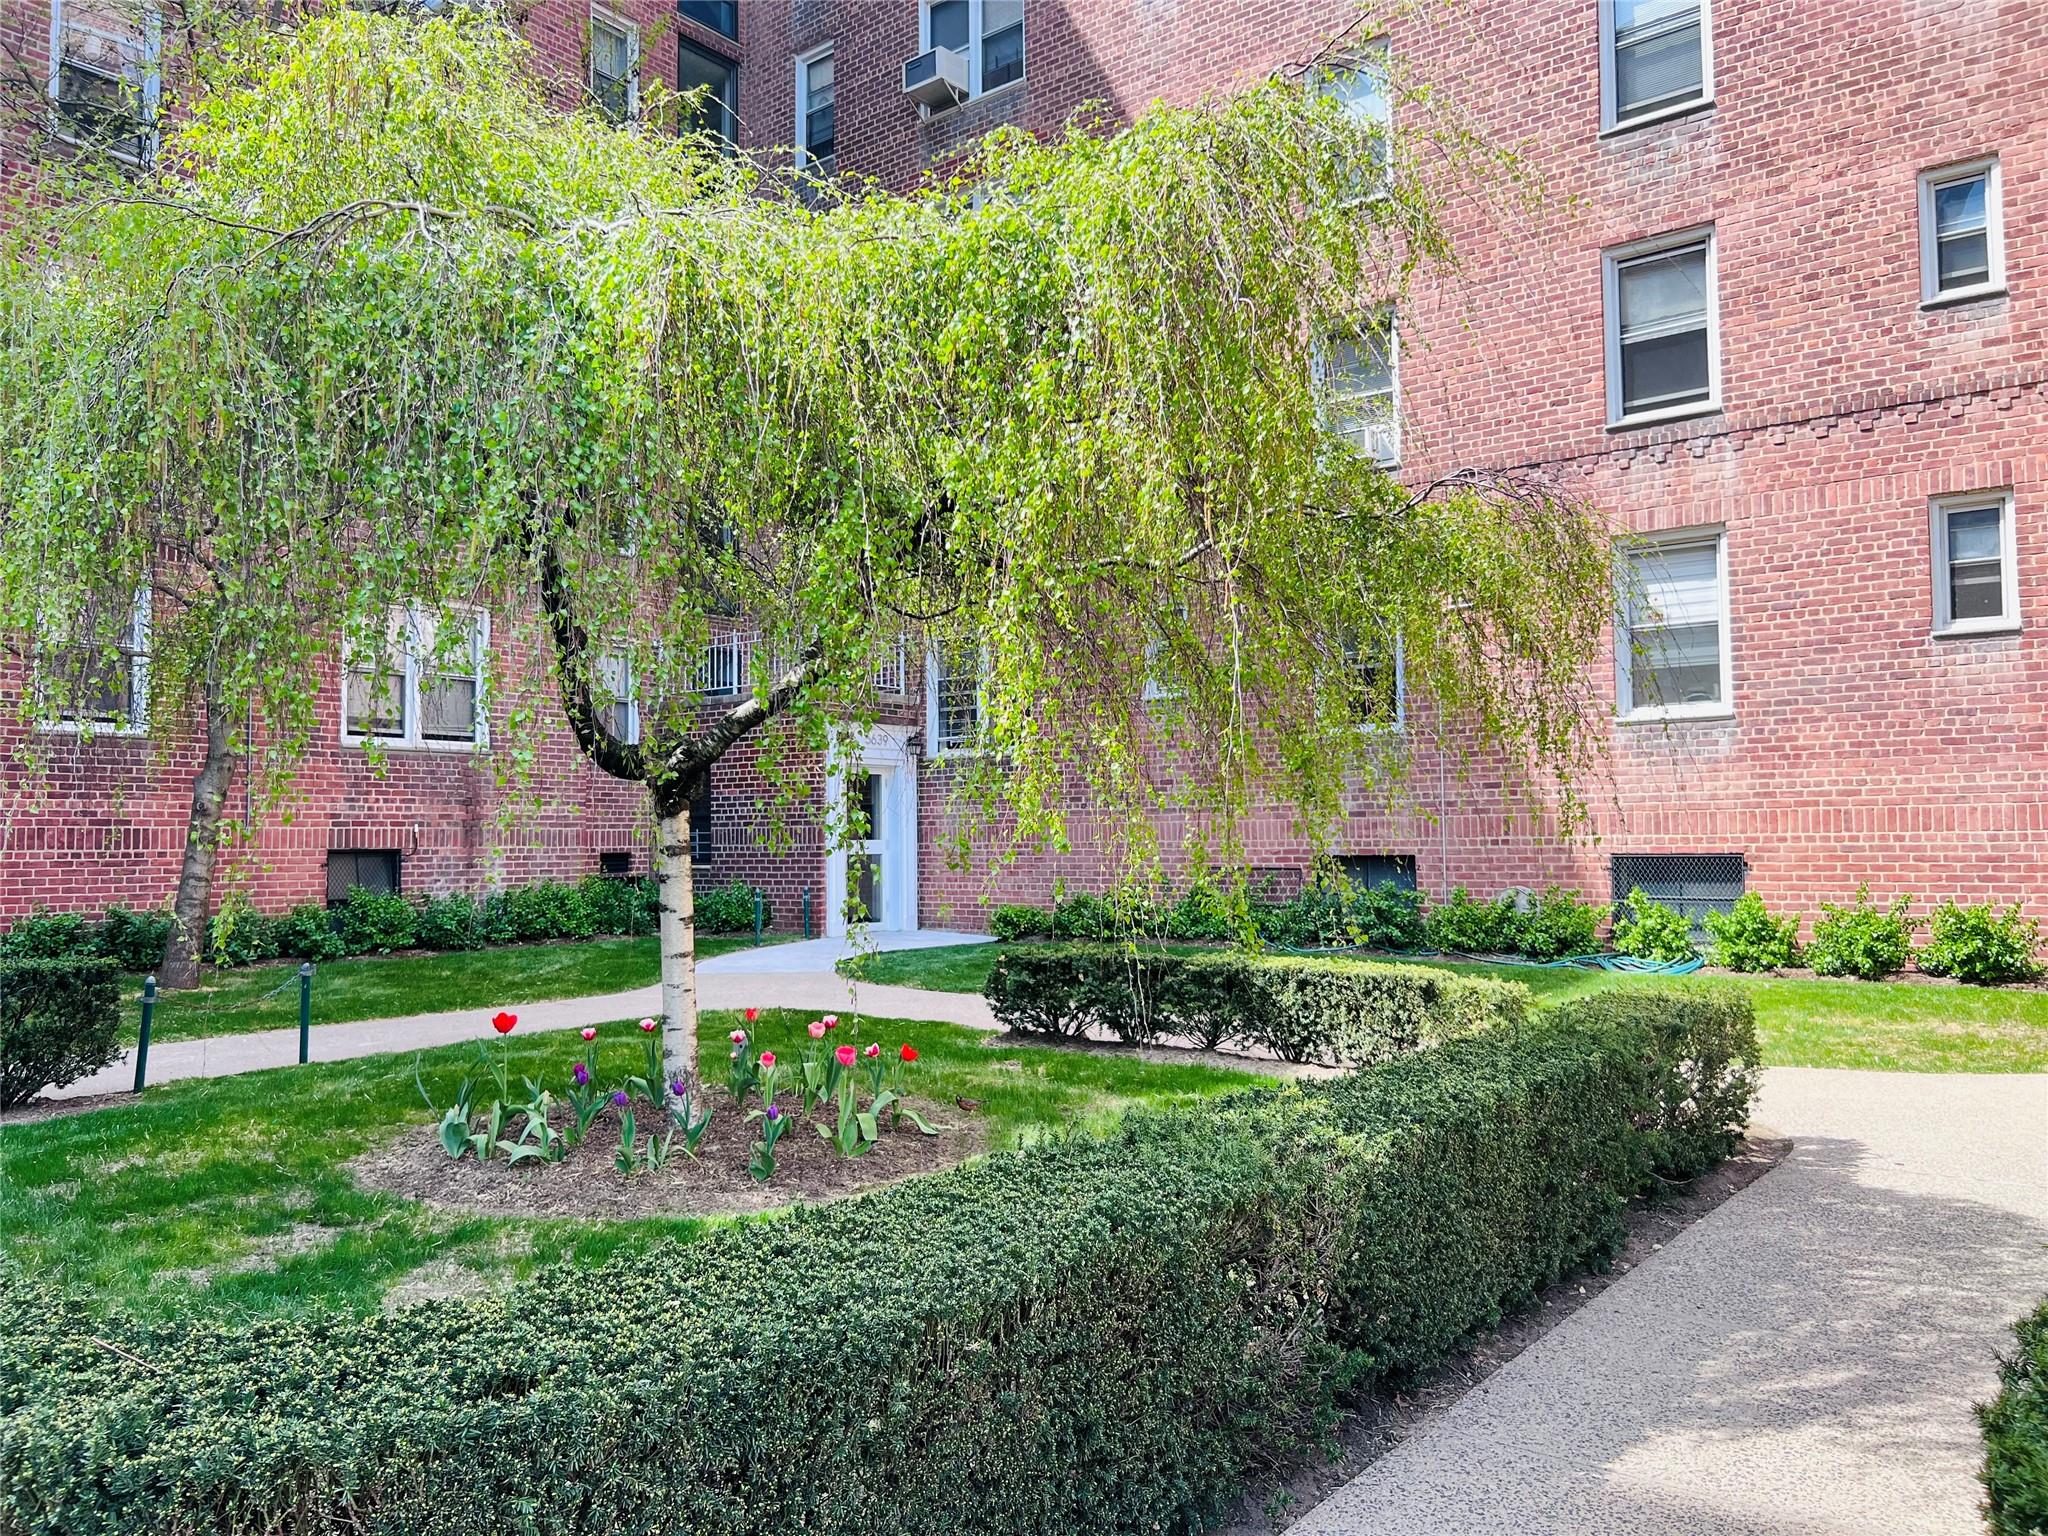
x=936 y=79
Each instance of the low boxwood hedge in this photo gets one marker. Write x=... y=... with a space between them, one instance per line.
x=1097 y=1335
x=1340 y=1012
x=60 y=1020
x=2016 y=1434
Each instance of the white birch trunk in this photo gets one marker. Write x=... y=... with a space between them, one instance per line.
x=678 y=931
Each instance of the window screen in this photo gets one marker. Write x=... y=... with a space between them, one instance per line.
x=1369 y=871
x=617 y=865
x=1692 y=883
x=374 y=869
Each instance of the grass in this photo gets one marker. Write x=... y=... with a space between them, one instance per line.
x=1891 y=1026
x=233 y=1002
x=232 y=1196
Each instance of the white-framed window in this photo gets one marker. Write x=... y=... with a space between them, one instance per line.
x=1962 y=233
x=1656 y=60
x=1672 y=657
x=99 y=684
x=1361 y=389
x=421 y=684
x=614 y=694
x=614 y=65
x=106 y=75
x=989 y=34
x=1663 y=329
x=953 y=699
x=1976 y=564
x=816 y=138
x=1362 y=82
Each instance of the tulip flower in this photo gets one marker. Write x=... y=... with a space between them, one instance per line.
x=774 y=1111
x=619 y=1098
x=738 y=1037
x=845 y=1055
x=582 y=1075
x=767 y=1058
x=504 y=1022
x=831 y=1021
x=817 y=1029
x=908 y=1053
x=752 y=1014
x=589 y=1032
x=872 y=1052
x=648 y=1026
x=679 y=1088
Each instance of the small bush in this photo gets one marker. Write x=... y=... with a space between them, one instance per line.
x=1391 y=917
x=730 y=909
x=1012 y=922
x=2015 y=1425
x=307 y=933
x=1202 y=915
x=1646 y=929
x=1861 y=940
x=1321 y=917
x=1559 y=924
x=1466 y=926
x=369 y=922
x=46 y=935
x=1086 y=916
x=1300 y=1008
x=1699 y=1046
x=1748 y=938
x=240 y=935
x=1981 y=944
x=134 y=941
x=449 y=922
x=616 y=906
x=60 y=1020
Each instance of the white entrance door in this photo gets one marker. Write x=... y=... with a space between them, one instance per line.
x=872 y=784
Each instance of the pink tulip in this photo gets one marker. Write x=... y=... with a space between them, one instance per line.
x=648 y=1026
x=767 y=1058
x=831 y=1021
x=589 y=1032
x=845 y=1055
x=872 y=1052
x=817 y=1029
x=738 y=1037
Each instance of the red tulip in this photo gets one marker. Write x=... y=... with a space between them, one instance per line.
x=752 y=1014
x=908 y=1053
x=845 y=1055
x=831 y=1021
x=503 y=1022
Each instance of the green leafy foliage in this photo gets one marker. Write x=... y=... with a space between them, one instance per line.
x=45 y=935
x=134 y=941
x=373 y=922
x=1225 y=1271
x=1336 y=1011
x=1861 y=940
x=1748 y=938
x=1012 y=921
x=1981 y=944
x=1559 y=924
x=729 y=908
x=2015 y=1425
x=306 y=932
x=1201 y=914
x=1464 y=925
x=1648 y=930
x=59 y=1021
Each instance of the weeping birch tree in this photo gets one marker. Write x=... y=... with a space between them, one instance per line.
x=1060 y=413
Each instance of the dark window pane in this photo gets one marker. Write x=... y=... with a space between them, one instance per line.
x=1002 y=57
x=719 y=79
x=1664 y=370
x=1963 y=260
x=1369 y=871
x=949 y=24
x=1658 y=71
x=701 y=841
x=721 y=16
x=372 y=869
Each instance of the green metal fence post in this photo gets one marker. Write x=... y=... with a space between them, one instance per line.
x=807 y=911
x=305 y=1011
x=142 y=1043
x=757 y=919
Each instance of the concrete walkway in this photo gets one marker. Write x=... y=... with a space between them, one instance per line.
x=741 y=979
x=1802 y=1362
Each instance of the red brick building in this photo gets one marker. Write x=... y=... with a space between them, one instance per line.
x=1778 y=310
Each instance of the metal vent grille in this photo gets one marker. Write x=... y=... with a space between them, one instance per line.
x=374 y=869
x=1692 y=883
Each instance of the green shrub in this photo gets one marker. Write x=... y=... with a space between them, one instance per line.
x=1646 y=929
x=1748 y=938
x=449 y=922
x=377 y=922
x=730 y=909
x=1559 y=924
x=616 y=906
x=47 y=935
x=1465 y=926
x=134 y=941
x=1302 y=1009
x=2015 y=1427
x=1698 y=1042
x=1981 y=944
x=1202 y=915
x=1102 y=1335
x=307 y=933
x=1086 y=916
x=1389 y=916
x=1861 y=940
x=60 y=1020
x=1012 y=921
x=1321 y=917
x=240 y=935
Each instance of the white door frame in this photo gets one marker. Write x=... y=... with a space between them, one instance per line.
x=889 y=748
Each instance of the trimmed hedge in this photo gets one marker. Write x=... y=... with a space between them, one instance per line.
x=60 y=1020
x=1344 y=1013
x=2016 y=1434
x=1090 y=1335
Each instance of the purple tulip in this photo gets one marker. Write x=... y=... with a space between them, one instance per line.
x=679 y=1088
x=582 y=1075
x=774 y=1111
x=619 y=1098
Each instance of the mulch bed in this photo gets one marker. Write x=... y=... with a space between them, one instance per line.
x=587 y=1181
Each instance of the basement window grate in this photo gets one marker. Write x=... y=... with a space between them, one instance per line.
x=373 y=869
x=1370 y=871
x=1692 y=883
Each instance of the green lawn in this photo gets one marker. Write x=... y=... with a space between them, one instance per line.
x=231 y=1195
x=233 y=1002
x=1896 y=1026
